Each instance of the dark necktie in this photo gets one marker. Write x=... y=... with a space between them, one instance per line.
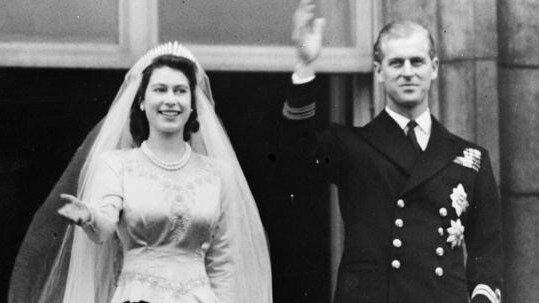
x=411 y=136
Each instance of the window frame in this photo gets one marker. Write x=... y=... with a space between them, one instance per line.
x=138 y=31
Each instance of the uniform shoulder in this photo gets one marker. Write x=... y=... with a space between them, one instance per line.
x=467 y=144
x=469 y=153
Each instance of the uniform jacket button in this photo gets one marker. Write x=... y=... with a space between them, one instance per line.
x=440 y=251
x=397 y=243
x=440 y=231
x=439 y=271
x=400 y=203
x=396 y=264
x=443 y=211
x=399 y=223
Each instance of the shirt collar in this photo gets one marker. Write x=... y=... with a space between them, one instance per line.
x=424 y=120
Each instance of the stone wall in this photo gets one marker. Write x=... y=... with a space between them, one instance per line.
x=518 y=28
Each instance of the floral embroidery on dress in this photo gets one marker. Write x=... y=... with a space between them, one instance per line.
x=181 y=216
x=200 y=253
x=166 y=184
x=206 y=176
x=176 y=289
x=178 y=193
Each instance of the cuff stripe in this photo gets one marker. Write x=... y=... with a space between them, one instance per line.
x=299 y=113
x=485 y=290
x=298 y=110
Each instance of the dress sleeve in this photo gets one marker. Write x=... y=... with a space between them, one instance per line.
x=105 y=197
x=219 y=257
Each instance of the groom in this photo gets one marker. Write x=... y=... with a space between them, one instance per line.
x=419 y=204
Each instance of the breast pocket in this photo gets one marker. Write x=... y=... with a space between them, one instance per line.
x=457 y=174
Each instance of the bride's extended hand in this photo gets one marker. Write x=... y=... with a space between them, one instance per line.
x=74 y=210
x=307 y=32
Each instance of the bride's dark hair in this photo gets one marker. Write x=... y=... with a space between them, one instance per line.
x=138 y=124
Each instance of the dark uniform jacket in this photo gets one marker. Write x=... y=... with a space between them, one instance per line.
x=404 y=216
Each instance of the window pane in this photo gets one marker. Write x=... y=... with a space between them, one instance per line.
x=253 y=22
x=59 y=21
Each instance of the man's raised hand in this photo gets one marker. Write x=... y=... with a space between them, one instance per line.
x=307 y=32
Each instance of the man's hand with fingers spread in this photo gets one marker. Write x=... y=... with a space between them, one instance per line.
x=307 y=32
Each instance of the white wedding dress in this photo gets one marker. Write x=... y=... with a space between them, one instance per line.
x=170 y=224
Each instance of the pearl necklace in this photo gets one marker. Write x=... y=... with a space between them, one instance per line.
x=167 y=165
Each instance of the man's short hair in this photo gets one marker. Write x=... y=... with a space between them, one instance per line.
x=401 y=29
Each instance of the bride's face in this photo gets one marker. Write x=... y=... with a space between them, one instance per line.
x=167 y=101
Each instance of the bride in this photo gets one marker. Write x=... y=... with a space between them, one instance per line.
x=162 y=212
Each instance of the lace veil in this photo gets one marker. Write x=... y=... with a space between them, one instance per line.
x=58 y=263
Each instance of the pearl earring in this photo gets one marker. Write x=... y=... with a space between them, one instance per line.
x=141 y=107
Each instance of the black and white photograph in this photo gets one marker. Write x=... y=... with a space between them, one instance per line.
x=241 y=151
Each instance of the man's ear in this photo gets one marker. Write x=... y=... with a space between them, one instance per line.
x=435 y=66
x=378 y=72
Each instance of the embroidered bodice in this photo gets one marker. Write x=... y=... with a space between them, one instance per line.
x=170 y=225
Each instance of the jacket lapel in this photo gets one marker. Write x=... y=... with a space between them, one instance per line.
x=385 y=135
x=441 y=150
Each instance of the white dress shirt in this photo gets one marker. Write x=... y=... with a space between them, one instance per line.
x=422 y=130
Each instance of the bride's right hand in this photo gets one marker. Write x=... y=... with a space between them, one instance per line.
x=74 y=210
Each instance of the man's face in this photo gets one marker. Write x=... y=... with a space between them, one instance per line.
x=406 y=71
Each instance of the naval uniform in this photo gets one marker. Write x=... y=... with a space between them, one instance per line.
x=418 y=227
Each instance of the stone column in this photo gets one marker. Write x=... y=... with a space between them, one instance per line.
x=468 y=71
x=519 y=112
